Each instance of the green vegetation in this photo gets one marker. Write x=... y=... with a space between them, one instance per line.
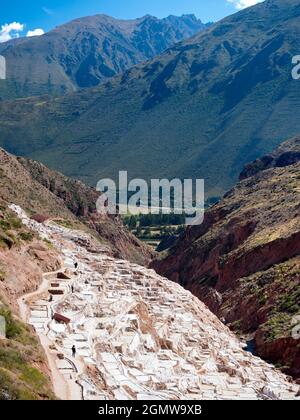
x=278 y=326
x=153 y=228
x=281 y=313
x=11 y=389
x=10 y=222
x=190 y=113
x=65 y=223
x=290 y=301
x=48 y=243
x=55 y=80
x=19 y=379
x=26 y=236
x=147 y=220
x=11 y=229
x=6 y=240
x=279 y=286
x=13 y=328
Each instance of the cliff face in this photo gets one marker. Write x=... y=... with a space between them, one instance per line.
x=243 y=261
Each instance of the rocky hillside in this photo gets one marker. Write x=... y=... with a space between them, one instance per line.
x=286 y=154
x=24 y=373
x=202 y=109
x=244 y=260
x=88 y=51
x=46 y=193
x=24 y=258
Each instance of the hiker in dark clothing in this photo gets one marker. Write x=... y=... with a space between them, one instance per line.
x=72 y=289
x=74 y=351
x=76 y=265
x=51 y=298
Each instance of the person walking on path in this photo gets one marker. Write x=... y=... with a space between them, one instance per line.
x=74 y=351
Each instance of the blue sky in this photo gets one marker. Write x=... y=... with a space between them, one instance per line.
x=21 y=17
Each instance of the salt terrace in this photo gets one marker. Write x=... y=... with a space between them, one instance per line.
x=138 y=335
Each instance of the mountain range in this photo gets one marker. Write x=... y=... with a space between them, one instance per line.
x=203 y=109
x=88 y=51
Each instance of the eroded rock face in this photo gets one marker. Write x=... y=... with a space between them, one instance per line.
x=140 y=336
x=243 y=261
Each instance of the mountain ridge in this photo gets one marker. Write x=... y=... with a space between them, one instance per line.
x=87 y=51
x=202 y=109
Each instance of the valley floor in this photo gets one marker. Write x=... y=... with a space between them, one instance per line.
x=137 y=335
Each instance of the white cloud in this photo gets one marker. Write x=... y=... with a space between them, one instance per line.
x=242 y=4
x=10 y=30
x=35 y=32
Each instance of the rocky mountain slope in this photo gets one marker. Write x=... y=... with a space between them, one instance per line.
x=88 y=51
x=244 y=260
x=25 y=258
x=286 y=154
x=24 y=373
x=50 y=194
x=202 y=109
x=138 y=336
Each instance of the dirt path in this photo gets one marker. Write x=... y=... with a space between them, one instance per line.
x=64 y=388
x=23 y=306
